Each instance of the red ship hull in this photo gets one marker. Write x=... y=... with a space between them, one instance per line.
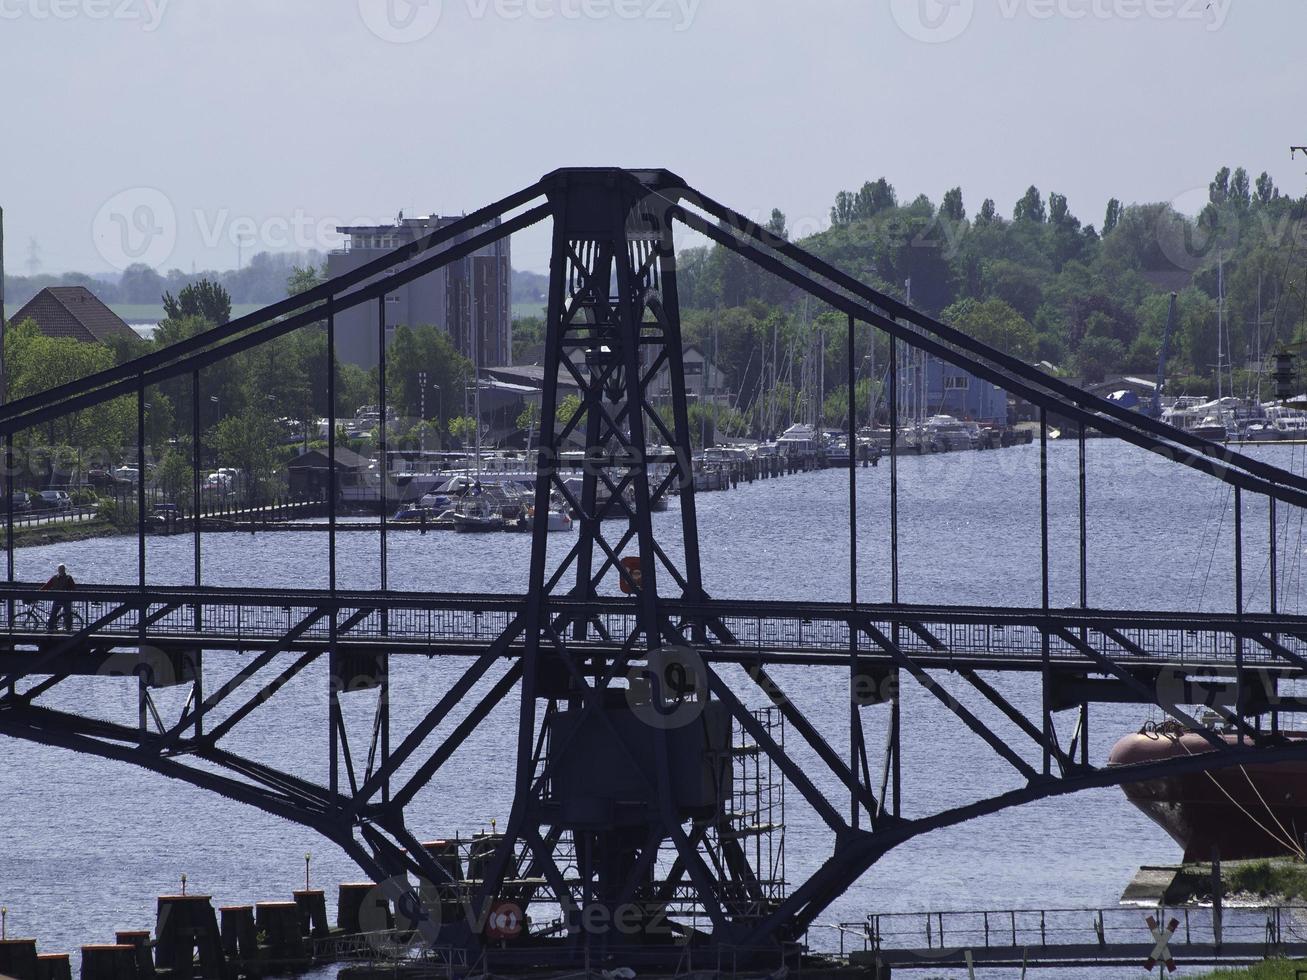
x=1249 y=811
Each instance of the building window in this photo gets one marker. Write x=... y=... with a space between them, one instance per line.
x=957 y=382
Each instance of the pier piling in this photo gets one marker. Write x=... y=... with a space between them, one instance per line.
x=185 y=925
x=312 y=905
x=140 y=941
x=109 y=961
x=18 y=958
x=239 y=939
x=349 y=906
x=54 y=966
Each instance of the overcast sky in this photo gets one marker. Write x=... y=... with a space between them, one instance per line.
x=168 y=129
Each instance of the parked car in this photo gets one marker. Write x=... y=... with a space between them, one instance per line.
x=22 y=503
x=56 y=500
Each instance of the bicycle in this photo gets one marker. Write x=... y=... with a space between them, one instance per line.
x=32 y=619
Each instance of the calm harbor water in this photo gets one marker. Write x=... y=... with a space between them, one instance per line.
x=88 y=844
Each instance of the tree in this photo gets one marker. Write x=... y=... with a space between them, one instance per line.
x=248 y=442
x=1266 y=192
x=995 y=323
x=1030 y=207
x=1239 y=192
x=426 y=350
x=1098 y=357
x=36 y=363
x=1218 y=191
x=988 y=212
x=842 y=211
x=1112 y=217
x=776 y=224
x=874 y=197
x=464 y=429
x=204 y=299
x=175 y=478
x=303 y=279
x=952 y=207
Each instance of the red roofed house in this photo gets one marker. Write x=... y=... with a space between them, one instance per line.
x=73 y=311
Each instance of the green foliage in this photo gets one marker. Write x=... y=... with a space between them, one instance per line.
x=174 y=477
x=464 y=429
x=247 y=442
x=993 y=322
x=528 y=332
x=204 y=299
x=303 y=279
x=426 y=349
x=1268 y=970
x=36 y=363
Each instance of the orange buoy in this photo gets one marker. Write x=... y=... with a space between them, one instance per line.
x=632 y=565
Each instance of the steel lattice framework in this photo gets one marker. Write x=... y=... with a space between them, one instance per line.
x=600 y=679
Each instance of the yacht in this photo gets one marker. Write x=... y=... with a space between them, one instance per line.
x=477 y=513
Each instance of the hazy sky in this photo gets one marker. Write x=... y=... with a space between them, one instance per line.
x=169 y=129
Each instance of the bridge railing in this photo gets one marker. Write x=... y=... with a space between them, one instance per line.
x=1104 y=927
x=226 y=617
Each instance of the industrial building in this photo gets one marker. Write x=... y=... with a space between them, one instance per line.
x=470 y=299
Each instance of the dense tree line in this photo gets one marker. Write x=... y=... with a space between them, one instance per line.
x=256 y=408
x=262 y=280
x=1041 y=284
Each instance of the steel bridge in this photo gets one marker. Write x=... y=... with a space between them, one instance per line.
x=619 y=697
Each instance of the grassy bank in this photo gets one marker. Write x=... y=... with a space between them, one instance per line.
x=1270 y=970
x=1272 y=879
x=58 y=533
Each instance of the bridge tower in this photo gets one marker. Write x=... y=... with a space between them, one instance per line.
x=623 y=762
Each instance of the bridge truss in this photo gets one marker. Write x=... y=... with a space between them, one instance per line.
x=626 y=704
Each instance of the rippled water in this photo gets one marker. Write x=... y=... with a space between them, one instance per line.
x=87 y=844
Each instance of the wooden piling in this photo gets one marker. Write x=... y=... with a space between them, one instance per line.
x=186 y=925
x=109 y=961
x=279 y=923
x=350 y=914
x=140 y=941
x=54 y=966
x=239 y=938
x=18 y=958
x=312 y=905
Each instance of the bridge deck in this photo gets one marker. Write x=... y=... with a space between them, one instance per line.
x=459 y=624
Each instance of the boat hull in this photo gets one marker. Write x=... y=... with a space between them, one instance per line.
x=1241 y=812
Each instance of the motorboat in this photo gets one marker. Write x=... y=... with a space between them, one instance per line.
x=945 y=434
x=1212 y=427
x=558 y=519
x=477 y=513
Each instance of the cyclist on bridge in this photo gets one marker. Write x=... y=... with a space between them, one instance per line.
x=61 y=581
